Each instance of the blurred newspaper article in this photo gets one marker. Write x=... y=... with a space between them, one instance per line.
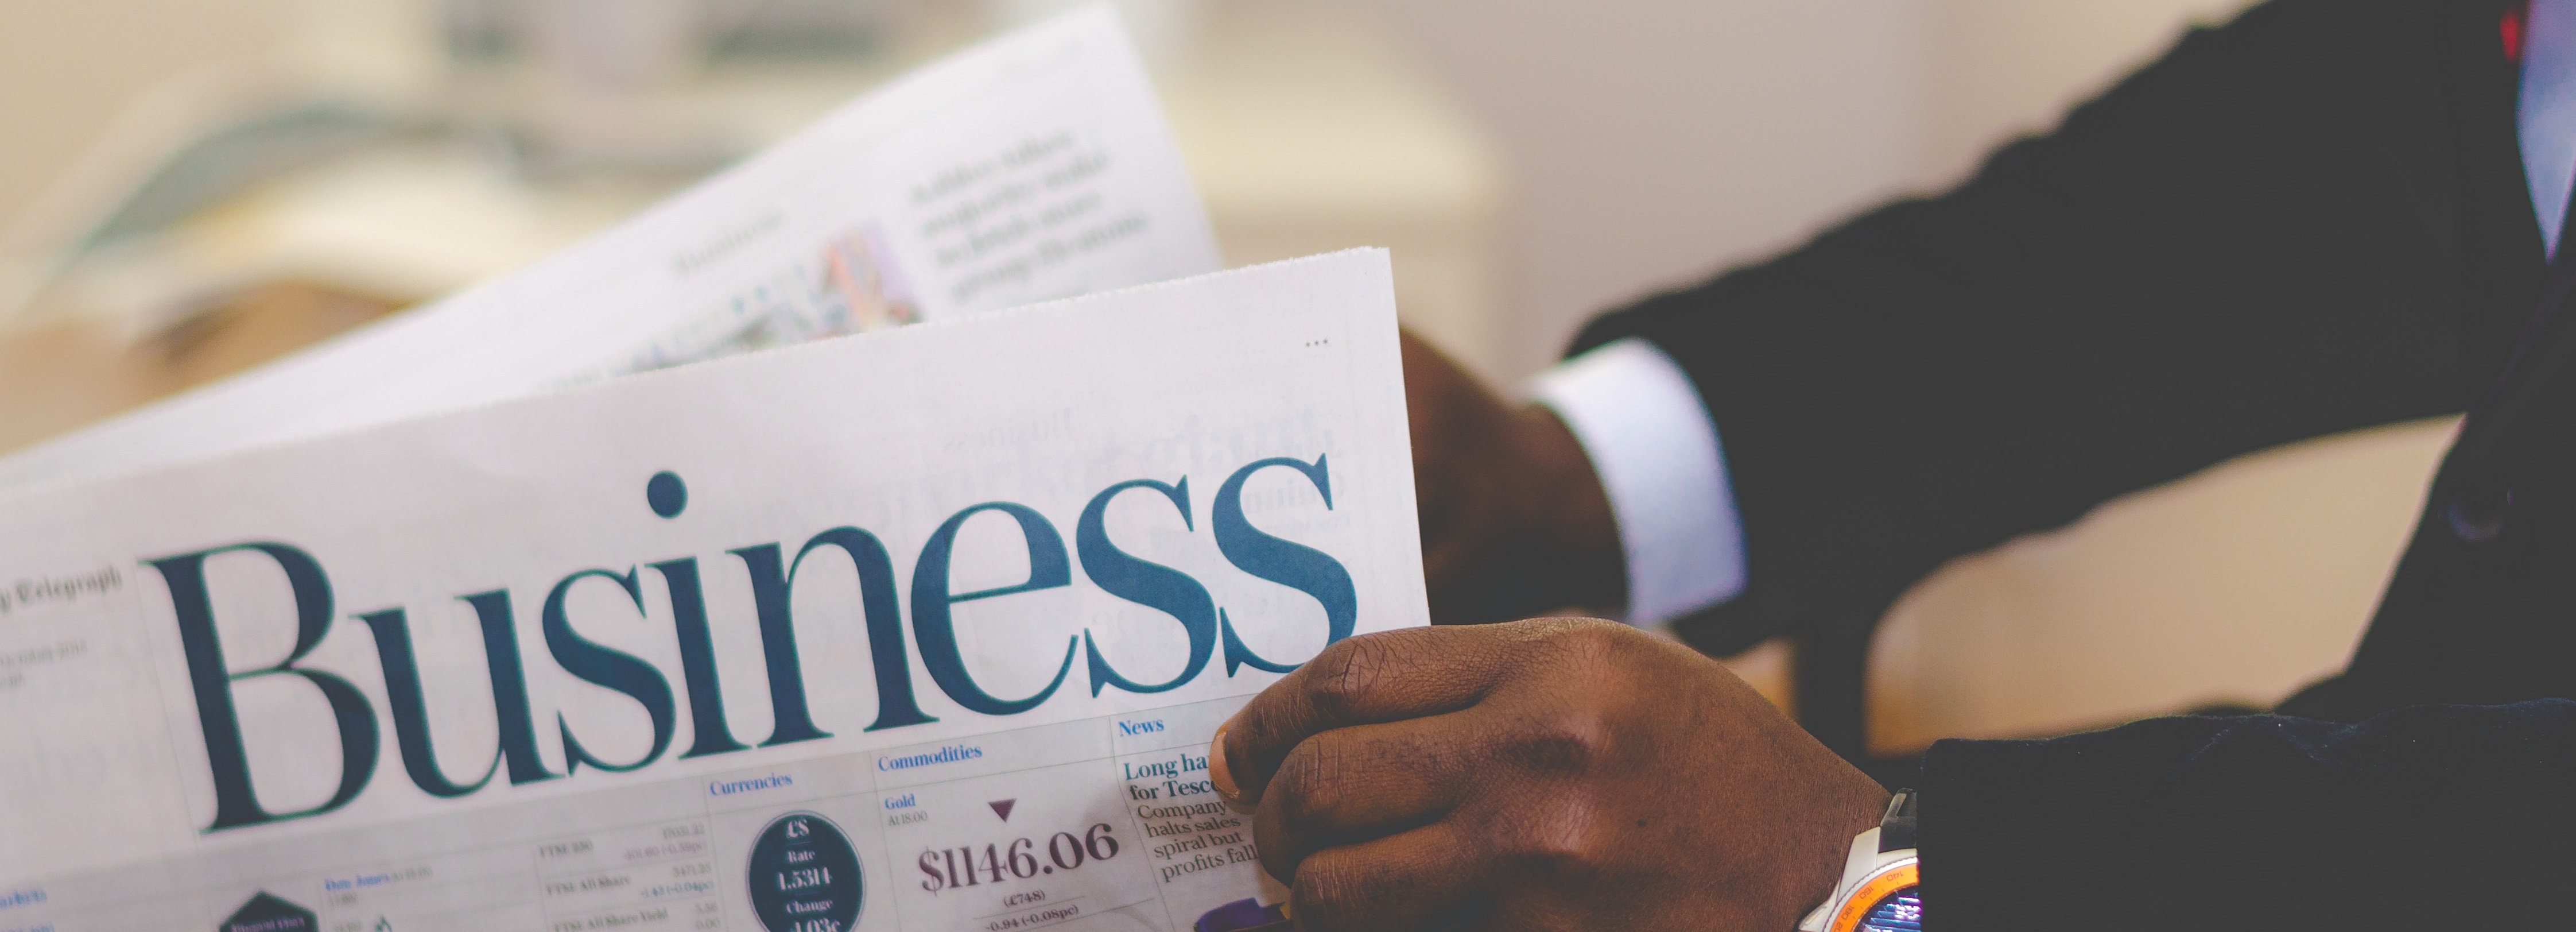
x=1036 y=166
x=920 y=630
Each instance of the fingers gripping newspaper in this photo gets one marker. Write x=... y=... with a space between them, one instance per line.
x=919 y=630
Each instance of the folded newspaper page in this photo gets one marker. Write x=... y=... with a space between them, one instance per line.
x=1036 y=166
x=918 y=630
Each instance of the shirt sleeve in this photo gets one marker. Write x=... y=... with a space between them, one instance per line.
x=1651 y=441
x=2546 y=112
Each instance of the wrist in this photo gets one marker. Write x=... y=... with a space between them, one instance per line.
x=1561 y=514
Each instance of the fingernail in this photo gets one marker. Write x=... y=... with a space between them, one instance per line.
x=1220 y=772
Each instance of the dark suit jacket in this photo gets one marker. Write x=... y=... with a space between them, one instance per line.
x=2310 y=220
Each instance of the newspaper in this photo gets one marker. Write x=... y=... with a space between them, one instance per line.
x=919 y=630
x=1037 y=166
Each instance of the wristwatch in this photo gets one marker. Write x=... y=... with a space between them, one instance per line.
x=1878 y=889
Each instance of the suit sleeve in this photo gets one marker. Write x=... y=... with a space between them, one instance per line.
x=2246 y=243
x=2429 y=817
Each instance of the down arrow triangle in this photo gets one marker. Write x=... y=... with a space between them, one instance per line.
x=1002 y=807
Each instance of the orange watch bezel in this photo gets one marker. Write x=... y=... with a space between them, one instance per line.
x=1877 y=886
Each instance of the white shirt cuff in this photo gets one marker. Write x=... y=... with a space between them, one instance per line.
x=2546 y=112
x=1651 y=440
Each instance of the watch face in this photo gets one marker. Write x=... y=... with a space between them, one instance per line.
x=1901 y=911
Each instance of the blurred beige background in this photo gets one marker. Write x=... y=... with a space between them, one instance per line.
x=1530 y=162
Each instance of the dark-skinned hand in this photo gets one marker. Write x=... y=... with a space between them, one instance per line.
x=1514 y=523
x=1553 y=774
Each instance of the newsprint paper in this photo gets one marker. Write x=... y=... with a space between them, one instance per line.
x=1033 y=167
x=925 y=629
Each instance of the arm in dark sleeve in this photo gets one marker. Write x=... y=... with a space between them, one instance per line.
x=2254 y=240
x=2428 y=817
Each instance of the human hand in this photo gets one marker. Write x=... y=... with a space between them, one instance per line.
x=1550 y=774
x=1513 y=520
